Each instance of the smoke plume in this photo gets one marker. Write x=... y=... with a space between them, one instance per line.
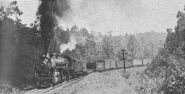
x=48 y=11
x=71 y=45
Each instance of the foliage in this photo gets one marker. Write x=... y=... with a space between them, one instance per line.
x=97 y=46
x=20 y=48
x=169 y=64
x=132 y=46
x=12 y=11
x=107 y=47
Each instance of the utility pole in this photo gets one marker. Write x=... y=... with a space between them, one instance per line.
x=124 y=59
x=152 y=50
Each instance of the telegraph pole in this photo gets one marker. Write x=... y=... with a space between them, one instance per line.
x=124 y=59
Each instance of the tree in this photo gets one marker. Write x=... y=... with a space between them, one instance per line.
x=20 y=48
x=132 y=46
x=107 y=47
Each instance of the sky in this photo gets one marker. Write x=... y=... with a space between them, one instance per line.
x=119 y=16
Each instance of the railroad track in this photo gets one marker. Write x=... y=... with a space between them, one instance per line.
x=47 y=90
x=63 y=85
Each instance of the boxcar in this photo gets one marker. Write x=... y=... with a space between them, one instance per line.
x=78 y=68
x=110 y=63
x=90 y=67
x=100 y=65
x=129 y=63
x=119 y=64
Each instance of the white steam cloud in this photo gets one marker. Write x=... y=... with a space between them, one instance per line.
x=71 y=45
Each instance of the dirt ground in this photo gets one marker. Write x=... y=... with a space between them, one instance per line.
x=111 y=82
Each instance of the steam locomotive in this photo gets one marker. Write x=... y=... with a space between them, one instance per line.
x=57 y=68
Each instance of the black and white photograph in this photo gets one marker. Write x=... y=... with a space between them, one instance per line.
x=92 y=46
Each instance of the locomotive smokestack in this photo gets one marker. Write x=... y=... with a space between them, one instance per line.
x=48 y=11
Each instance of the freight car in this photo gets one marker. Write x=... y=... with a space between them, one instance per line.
x=78 y=68
x=100 y=65
x=90 y=67
x=129 y=63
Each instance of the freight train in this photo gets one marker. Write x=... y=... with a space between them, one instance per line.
x=59 y=68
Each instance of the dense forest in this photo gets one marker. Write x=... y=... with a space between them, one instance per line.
x=22 y=46
x=167 y=68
